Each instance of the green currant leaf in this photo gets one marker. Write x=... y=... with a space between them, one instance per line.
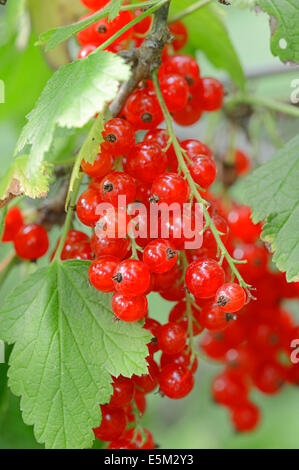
x=207 y=32
x=272 y=191
x=67 y=346
x=114 y=7
x=70 y=99
x=17 y=182
x=284 y=23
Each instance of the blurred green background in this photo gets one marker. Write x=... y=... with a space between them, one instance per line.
x=194 y=422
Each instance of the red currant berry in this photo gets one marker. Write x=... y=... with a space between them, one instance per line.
x=213 y=318
x=175 y=92
x=179 y=315
x=171 y=338
x=230 y=297
x=142 y=110
x=87 y=207
x=203 y=171
x=196 y=148
x=152 y=326
x=213 y=94
x=161 y=137
x=142 y=440
x=241 y=225
x=182 y=65
x=148 y=382
x=31 y=242
x=13 y=223
x=131 y=278
x=204 y=277
x=269 y=377
x=146 y=161
x=129 y=309
x=242 y=163
x=159 y=256
x=112 y=425
x=176 y=381
x=181 y=358
x=169 y=188
x=144 y=25
x=119 y=137
x=245 y=417
x=123 y=391
x=121 y=444
x=229 y=389
x=180 y=33
x=118 y=247
x=100 y=167
x=117 y=184
x=193 y=109
x=101 y=271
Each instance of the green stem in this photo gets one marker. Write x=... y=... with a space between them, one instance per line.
x=269 y=103
x=188 y=11
x=132 y=23
x=182 y=164
x=69 y=217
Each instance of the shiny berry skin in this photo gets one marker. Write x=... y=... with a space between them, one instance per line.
x=101 y=271
x=213 y=318
x=112 y=425
x=86 y=207
x=193 y=109
x=121 y=444
x=31 y=242
x=181 y=358
x=176 y=381
x=171 y=338
x=131 y=278
x=118 y=247
x=159 y=256
x=170 y=187
x=241 y=225
x=179 y=315
x=100 y=167
x=77 y=246
x=203 y=171
x=152 y=326
x=142 y=110
x=143 y=26
x=229 y=389
x=129 y=309
x=119 y=137
x=182 y=65
x=213 y=94
x=257 y=259
x=123 y=391
x=86 y=50
x=117 y=184
x=196 y=148
x=94 y=4
x=113 y=224
x=204 y=277
x=242 y=163
x=145 y=161
x=230 y=297
x=175 y=92
x=138 y=441
x=161 y=137
x=148 y=382
x=13 y=223
x=269 y=377
x=245 y=417
x=103 y=29
x=179 y=31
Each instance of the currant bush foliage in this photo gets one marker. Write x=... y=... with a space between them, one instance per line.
x=272 y=191
x=66 y=349
x=70 y=99
x=285 y=18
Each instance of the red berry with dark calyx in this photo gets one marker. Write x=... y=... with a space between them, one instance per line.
x=131 y=278
x=159 y=256
x=31 y=242
x=118 y=247
x=119 y=136
x=169 y=188
x=230 y=297
x=176 y=381
x=142 y=110
x=117 y=188
x=182 y=65
x=129 y=309
x=13 y=222
x=101 y=271
x=171 y=338
x=175 y=92
x=204 y=277
x=193 y=109
x=213 y=318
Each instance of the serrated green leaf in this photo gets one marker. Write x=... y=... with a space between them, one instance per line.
x=207 y=32
x=66 y=349
x=284 y=23
x=17 y=181
x=70 y=99
x=272 y=191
